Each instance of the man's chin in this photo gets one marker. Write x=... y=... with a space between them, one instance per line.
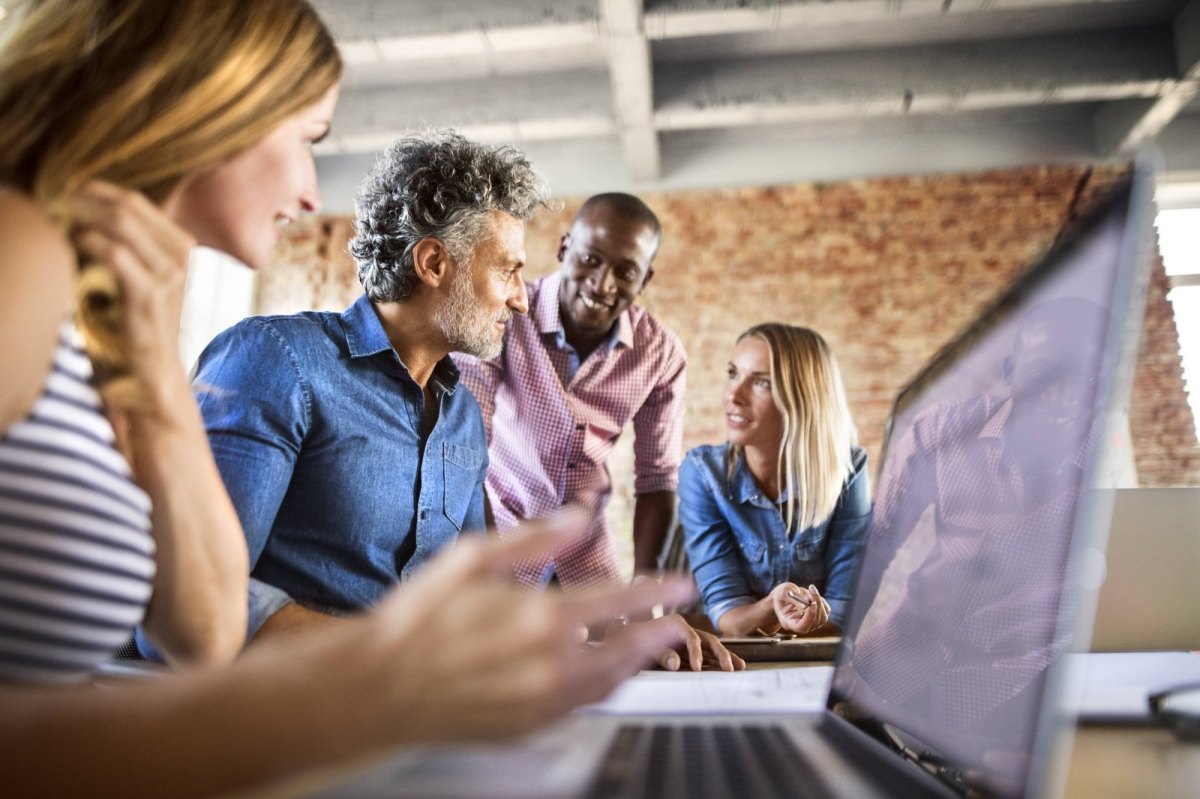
x=481 y=351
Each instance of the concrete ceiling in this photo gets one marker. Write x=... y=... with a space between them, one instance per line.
x=672 y=94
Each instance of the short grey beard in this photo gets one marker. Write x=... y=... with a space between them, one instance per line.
x=462 y=321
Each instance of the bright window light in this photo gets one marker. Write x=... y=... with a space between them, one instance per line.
x=1179 y=243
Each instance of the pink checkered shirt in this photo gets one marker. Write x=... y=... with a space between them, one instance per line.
x=550 y=435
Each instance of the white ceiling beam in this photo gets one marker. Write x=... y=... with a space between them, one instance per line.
x=926 y=80
x=673 y=19
x=1122 y=127
x=514 y=109
x=481 y=41
x=369 y=19
x=632 y=82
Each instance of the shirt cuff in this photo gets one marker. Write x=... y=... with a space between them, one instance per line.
x=837 y=611
x=721 y=608
x=265 y=601
x=651 y=483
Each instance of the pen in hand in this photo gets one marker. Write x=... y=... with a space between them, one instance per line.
x=799 y=599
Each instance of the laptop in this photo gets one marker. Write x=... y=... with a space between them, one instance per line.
x=977 y=574
x=1148 y=599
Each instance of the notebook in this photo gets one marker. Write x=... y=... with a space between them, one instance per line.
x=977 y=574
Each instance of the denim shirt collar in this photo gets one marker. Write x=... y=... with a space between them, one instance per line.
x=549 y=322
x=365 y=337
x=743 y=489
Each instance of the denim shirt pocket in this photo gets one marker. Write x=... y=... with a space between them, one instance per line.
x=460 y=472
x=810 y=544
x=804 y=551
x=754 y=552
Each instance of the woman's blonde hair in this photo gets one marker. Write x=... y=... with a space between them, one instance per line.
x=815 y=455
x=143 y=93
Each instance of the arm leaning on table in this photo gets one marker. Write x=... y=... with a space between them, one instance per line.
x=846 y=534
x=256 y=420
x=657 y=446
x=712 y=551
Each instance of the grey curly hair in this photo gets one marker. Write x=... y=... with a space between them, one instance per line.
x=438 y=184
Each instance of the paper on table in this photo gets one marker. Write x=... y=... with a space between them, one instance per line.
x=802 y=690
x=1116 y=685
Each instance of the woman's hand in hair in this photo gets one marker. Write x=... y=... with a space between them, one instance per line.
x=799 y=610
x=197 y=613
x=146 y=255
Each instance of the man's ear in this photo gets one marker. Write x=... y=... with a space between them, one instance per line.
x=431 y=261
x=562 y=246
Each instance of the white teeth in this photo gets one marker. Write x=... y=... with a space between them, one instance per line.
x=733 y=417
x=588 y=302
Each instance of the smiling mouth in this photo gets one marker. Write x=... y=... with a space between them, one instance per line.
x=594 y=305
x=736 y=418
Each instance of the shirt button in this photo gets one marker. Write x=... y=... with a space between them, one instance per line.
x=580 y=426
x=424 y=514
x=570 y=466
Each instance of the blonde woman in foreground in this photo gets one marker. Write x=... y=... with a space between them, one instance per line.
x=132 y=132
x=774 y=519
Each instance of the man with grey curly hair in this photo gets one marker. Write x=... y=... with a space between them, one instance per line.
x=440 y=186
x=348 y=447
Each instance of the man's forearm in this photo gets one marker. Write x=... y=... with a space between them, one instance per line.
x=653 y=515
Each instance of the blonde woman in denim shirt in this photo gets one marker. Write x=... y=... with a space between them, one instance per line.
x=774 y=519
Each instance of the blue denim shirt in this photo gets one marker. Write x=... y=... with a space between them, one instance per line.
x=739 y=549
x=315 y=424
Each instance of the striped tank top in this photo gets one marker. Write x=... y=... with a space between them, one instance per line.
x=76 y=556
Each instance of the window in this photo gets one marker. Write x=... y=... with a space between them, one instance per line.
x=1179 y=243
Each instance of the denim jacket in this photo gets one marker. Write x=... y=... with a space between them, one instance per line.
x=739 y=549
x=315 y=425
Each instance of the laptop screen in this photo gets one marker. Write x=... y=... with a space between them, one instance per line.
x=957 y=613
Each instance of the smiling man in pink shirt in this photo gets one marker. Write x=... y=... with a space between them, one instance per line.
x=574 y=371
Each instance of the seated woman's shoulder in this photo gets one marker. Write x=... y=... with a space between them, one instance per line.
x=709 y=458
x=708 y=452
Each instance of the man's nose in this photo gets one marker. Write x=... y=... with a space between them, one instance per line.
x=519 y=299
x=603 y=279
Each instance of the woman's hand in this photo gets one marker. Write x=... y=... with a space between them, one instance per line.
x=461 y=652
x=147 y=254
x=799 y=610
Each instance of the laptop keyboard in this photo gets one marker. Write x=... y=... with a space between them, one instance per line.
x=697 y=762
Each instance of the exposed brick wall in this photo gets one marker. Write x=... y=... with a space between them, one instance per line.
x=887 y=270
